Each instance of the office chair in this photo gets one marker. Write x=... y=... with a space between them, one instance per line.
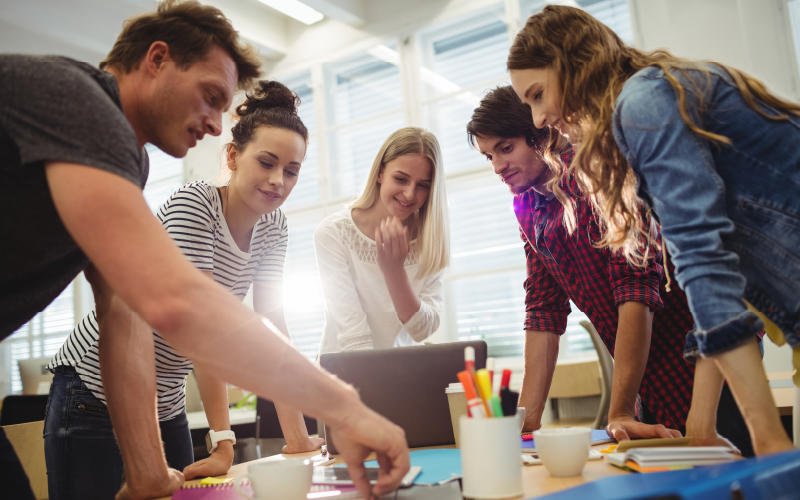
x=606 y=363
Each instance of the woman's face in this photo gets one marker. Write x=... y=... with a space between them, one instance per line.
x=539 y=88
x=265 y=173
x=405 y=184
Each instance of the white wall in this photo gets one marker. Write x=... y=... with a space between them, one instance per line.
x=752 y=35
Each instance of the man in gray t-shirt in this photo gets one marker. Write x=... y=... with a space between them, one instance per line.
x=70 y=149
x=79 y=121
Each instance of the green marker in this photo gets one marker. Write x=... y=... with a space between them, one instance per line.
x=497 y=408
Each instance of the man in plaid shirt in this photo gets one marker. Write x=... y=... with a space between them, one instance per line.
x=642 y=325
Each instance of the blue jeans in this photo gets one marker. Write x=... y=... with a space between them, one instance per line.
x=81 y=453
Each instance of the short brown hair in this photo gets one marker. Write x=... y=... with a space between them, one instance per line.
x=190 y=30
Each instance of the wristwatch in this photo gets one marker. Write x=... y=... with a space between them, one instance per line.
x=212 y=438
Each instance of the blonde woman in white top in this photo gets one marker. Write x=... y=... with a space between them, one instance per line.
x=381 y=259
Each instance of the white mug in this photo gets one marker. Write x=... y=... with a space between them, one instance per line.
x=564 y=451
x=288 y=479
x=490 y=461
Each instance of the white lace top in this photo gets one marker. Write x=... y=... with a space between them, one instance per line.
x=359 y=313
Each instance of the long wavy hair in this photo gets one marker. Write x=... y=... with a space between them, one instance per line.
x=432 y=224
x=592 y=65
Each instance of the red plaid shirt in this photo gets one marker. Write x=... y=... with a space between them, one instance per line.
x=563 y=267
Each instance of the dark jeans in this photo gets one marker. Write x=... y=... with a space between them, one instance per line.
x=82 y=456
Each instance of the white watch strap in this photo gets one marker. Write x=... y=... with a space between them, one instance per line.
x=217 y=436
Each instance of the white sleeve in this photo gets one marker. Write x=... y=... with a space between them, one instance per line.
x=426 y=320
x=341 y=298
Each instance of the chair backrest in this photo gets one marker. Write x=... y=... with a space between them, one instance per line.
x=28 y=443
x=21 y=409
x=32 y=373
x=270 y=426
x=606 y=363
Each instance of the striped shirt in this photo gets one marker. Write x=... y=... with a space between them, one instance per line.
x=193 y=218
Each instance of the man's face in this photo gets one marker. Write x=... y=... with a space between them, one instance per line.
x=187 y=104
x=519 y=166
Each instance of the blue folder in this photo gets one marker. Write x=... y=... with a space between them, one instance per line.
x=437 y=465
x=599 y=436
x=764 y=478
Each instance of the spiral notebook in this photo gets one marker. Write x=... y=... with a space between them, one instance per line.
x=228 y=492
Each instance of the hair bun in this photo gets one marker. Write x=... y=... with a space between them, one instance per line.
x=268 y=94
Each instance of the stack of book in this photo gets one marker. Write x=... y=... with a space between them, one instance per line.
x=670 y=458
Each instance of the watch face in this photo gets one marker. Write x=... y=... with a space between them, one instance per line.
x=209 y=445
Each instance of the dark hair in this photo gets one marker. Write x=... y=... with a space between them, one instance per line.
x=270 y=104
x=501 y=113
x=190 y=30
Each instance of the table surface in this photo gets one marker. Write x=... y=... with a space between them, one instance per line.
x=536 y=481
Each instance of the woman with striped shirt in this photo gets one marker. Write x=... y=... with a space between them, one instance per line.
x=238 y=235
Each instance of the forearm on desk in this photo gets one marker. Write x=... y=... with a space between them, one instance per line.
x=540 y=356
x=631 y=350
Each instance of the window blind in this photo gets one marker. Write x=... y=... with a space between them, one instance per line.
x=306 y=191
x=302 y=290
x=461 y=59
x=166 y=176
x=615 y=14
x=364 y=105
x=42 y=336
x=794 y=17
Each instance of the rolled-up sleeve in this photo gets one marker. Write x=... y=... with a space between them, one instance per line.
x=631 y=283
x=426 y=320
x=546 y=303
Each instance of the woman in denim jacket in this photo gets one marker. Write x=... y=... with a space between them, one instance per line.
x=717 y=158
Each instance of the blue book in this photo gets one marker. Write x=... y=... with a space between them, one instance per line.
x=599 y=436
x=437 y=465
x=762 y=478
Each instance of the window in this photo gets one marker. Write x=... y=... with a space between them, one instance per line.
x=615 y=14
x=307 y=190
x=302 y=290
x=40 y=337
x=166 y=177
x=461 y=59
x=364 y=105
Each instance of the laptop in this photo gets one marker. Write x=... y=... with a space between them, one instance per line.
x=406 y=385
x=35 y=377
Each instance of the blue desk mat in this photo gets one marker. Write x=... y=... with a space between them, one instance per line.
x=599 y=436
x=762 y=478
x=437 y=465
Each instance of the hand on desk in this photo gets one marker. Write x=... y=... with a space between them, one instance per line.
x=623 y=428
x=366 y=431
x=215 y=465
x=174 y=480
x=309 y=444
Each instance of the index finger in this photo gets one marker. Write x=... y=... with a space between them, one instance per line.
x=358 y=473
x=393 y=469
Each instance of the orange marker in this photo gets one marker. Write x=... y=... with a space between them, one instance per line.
x=474 y=404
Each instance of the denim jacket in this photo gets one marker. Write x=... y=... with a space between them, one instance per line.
x=730 y=214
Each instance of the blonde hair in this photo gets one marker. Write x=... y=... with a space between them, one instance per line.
x=433 y=226
x=592 y=65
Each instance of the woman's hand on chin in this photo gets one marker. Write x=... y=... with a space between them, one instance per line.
x=393 y=245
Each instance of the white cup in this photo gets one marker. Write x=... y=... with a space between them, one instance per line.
x=490 y=462
x=563 y=451
x=288 y=479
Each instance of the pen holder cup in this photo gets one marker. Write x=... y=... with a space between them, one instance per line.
x=490 y=457
x=458 y=406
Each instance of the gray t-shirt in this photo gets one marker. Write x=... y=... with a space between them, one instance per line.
x=51 y=109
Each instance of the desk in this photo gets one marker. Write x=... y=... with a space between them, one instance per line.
x=784 y=396
x=536 y=481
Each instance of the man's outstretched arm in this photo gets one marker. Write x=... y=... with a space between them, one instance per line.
x=109 y=219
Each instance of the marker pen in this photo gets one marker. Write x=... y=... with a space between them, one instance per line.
x=484 y=388
x=490 y=369
x=469 y=360
x=474 y=405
